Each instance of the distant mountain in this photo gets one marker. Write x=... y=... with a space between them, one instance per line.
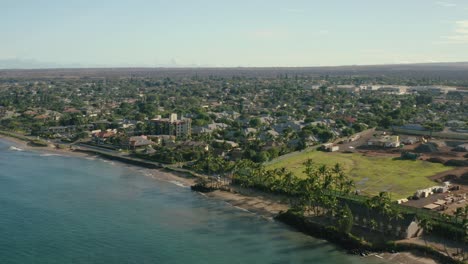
x=450 y=71
x=32 y=64
x=29 y=64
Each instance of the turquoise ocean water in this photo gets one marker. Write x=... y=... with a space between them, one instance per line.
x=58 y=209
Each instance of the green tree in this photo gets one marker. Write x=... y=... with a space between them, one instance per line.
x=345 y=219
x=426 y=224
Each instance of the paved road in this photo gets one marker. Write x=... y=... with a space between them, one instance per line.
x=106 y=150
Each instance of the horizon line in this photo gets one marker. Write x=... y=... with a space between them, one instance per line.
x=229 y=67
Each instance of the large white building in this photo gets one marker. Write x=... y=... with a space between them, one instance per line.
x=181 y=128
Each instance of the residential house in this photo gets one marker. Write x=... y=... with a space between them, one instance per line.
x=72 y=110
x=236 y=154
x=139 y=142
x=324 y=122
x=249 y=132
x=2 y=111
x=162 y=139
x=230 y=143
x=102 y=137
x=311 y=140
x=269 y=135
x=198 y=130
x=294 y=125
x=193 y=145
x=217 y=126
x=66 y=129
x=42 y=117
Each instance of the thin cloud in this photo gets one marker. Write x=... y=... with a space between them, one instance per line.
x=268 y=34
x=263 y=33
x=445 y=4
x=459 y=35
x=462 y=27
x=294 y=10
x=323 y=32
x=402 y=62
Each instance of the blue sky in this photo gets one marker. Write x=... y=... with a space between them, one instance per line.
x=233 y=33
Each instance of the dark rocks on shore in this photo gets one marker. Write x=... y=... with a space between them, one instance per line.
x=359 y=252
x=202 y=188
x=355 y=246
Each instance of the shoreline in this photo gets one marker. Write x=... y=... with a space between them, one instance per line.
x=23 y=145
x=251 y=201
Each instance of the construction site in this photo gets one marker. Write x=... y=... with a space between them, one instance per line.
x=450 y=187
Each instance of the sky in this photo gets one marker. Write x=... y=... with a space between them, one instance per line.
x=218 y=33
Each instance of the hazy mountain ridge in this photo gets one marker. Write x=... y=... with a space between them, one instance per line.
x=455 y=70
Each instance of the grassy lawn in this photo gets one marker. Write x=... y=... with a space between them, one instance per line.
x=371 y=174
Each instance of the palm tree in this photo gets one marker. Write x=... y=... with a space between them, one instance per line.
x=309 y=167
x=239 y=171
x=373 y=224
x=348 y=186
x=382 y=203
x=269 y=181
x=289 y=182
x=345 y=220
x=337 y=168
x=327 y=180
x=466 y=212
x=465 y=239
x=426 y=225
x=458 y=213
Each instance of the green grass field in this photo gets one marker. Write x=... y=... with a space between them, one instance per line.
x=371 y=174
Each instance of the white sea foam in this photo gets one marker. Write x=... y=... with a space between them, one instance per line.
x=179 y=184
x=108 y=161
x=242 y=209
x=50 y=155
x=92 y=157
x=268 y=218
x=147 y=174
x=15 y=148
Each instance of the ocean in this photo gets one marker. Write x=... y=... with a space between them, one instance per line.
x=61 y=209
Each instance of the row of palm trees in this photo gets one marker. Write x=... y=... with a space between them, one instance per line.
x=324 y=191
x=383 y=205
x=314 y=194
x=461 y=214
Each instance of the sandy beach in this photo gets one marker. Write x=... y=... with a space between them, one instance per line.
x=255 y=204
x=258 y=203
x=160 y=174
x=404 y=258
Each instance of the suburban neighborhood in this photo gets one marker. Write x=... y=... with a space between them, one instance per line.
x=370 y=141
